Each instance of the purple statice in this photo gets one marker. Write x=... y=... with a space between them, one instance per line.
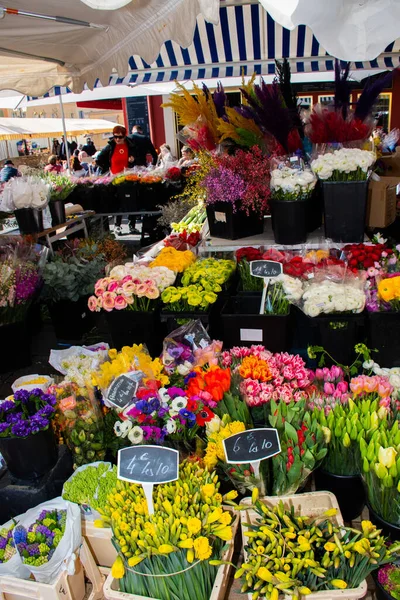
x=23 y=396
x=21 y=429
x=37 y=410
x=223 y=185
x=27 y=282
x=38 y=423
x=4 y=427
x=46 y=411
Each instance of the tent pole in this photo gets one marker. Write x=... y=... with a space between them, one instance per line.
x=7 y=150
x=65 y=131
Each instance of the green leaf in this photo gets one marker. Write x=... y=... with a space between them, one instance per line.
x=290 y=431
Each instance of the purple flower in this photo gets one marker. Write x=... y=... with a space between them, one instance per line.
x=44 y=530
x=19 y=534
x=147 y=432
x=162 y=412
x=46 y=411
x=189 y=376
x=188 y=416
x=221 y=179
x=3 y=543
x=22 y=396
x=21 y=429
x=144 y=407
x=6 y=406
x=154 y=404
x=4 y=427
x=173 y=392
x=33 y=550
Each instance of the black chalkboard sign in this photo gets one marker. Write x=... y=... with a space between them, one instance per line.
x=265 y=268
x=137 y=113
x=148 y=464
x=122 y=391
x=251 y=445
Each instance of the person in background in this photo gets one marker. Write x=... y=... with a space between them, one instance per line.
x=53 y=166
x=55 y=147
x=144 y=146
x=89 y=147
x=76 y=167
x=8 y=171
x=74 y=146
x=188 y=157
x=119 y=154
x=82 y=156
x=165 y=158
x=62 y=152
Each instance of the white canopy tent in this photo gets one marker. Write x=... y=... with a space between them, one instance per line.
x=17 y=128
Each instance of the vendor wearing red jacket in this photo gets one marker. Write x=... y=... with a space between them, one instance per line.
x=119 y=154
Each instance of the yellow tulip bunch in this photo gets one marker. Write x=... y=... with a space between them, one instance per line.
x=130 y=358
x=176 y=260
x=188 y=516
x=297 y=556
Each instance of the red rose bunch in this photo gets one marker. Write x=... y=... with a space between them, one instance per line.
x=248 y=253
x=361 y=256
x=298 y=267
x=173 y=174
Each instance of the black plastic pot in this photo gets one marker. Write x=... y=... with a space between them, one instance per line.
x=57 y=211
x=226 y=224
x=30 y=220
x=289 y=221
x=314 y=210
x=380 y=592
x=71 y=320
x=384 y=335
x=244 y=326
x=348 y=489
x=30 y=457
x=15 y=349
x=388 y=529
x=345 y=208
x=338 y=334
x=129 y=327
x=127 y=196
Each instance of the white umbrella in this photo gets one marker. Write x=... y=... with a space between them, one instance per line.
x=351 y=30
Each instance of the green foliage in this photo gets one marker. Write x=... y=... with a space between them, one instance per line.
x=72 y=279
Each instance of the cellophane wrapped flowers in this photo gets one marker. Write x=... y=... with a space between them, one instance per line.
x=28 y=413
x=346 y=164
x=36 y=545
x=7 y=546
x=189 y=528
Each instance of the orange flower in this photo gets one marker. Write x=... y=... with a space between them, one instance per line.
x=255 y=368
x=215 y=381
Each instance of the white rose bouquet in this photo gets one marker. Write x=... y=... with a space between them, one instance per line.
x=25 y=192
x=346 y=164
x=292 y=184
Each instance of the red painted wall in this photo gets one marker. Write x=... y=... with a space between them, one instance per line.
x=156 y=121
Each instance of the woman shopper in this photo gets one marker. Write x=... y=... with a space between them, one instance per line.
x=53 y=166
x=119 y=154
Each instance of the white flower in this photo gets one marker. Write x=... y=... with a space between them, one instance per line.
x=125 y=428
x=117 y=428
x=183 y=369
x=368 y=364
x=135 y=435
x=214 y=425
x=171 y=426
x=119 y=271
x=179 y=403
x=163 y=395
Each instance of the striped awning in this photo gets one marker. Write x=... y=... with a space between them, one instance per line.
x=246 y=40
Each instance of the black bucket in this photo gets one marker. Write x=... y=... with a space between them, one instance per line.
x=229 y=225
x=30 y=220
x=57 y=211
x=388 y=529
x=348 y=489
x=15 y=350
x=289 y=221
x=30 y=457
x=384 y=336
x=345 y=208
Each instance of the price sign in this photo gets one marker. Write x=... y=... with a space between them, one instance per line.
x=148 y=465
x=265 y=269
x=252 y=446
x=122 y=391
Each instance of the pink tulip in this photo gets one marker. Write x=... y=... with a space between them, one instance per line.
x=329 y=388
x=319 y=374
x=342 y=386
x=336 y=372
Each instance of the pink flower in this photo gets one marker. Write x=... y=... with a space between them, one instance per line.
x=99 y=289
x=125 y=279
x=109 y=301
x=129 y=286
x=319 y=374
x=120 y=303
x=112 y=286
x=92 y=303
x=342 y=386
x=329 y=388
x=152 y=293
x=336 y=372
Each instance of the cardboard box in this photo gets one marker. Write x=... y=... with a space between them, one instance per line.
x=381 y=210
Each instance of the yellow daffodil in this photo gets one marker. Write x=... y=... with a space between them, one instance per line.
x=339 y=584
x=193 y=525
x=118 y=569
x=202 y=548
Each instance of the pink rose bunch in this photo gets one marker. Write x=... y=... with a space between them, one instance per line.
x=116 y=293
x=290 y=377
x=364 y=386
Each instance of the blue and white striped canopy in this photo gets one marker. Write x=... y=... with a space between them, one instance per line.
x=246 y=40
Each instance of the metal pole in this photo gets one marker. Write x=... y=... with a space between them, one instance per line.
x=65 y=131
x=7 y=150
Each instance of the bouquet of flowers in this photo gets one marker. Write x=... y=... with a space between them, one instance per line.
x=292 y=184
x=177 y=534
x=346 y=164
x=333 y=291
x=19 y=283
x=175 y=260
x=25 y=192
x=37 y=543
x=389 y=292
x=189 y=298
x=389 y=579
x=303 y=446
x=61 y=186
x=244 y=256
x=27 y=413
x=330 y=389
x=209 y=272
x=381 y=472
x=364 y=256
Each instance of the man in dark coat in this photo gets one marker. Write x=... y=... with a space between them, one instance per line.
x=62 y=152
x=144 y=147
x=89 y=147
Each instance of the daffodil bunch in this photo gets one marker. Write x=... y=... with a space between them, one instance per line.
x=130 y=358
x=344 y=428
x=293 y=555
x=189 y=298
x=381 y=472
x=176 y=260
x=189 y=528
x=211 y=273
x=241 y=476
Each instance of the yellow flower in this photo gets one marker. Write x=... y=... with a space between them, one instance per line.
x=215 y=515
x=224 y=533
x=226 y=518
x=264 y=574
x=118 y=569
x=362 y=546
x=339 y=583
x=387 y=456
x=135 y=560
x=331 y=512
x=208 y=490
x=260 y=549
x=165 y=549
x=202 y=548
x=186 y=543
x=367 y=527
x=386 y=289
x=330 y=546
x=194 y=525
x=327 y=434
x=210 y=460
x=218 y=498
x=231 y=495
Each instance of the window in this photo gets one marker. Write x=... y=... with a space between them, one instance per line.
x=325 y=100
x=382 y=110
x=305 y=101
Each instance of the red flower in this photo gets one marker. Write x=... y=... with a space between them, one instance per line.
x=204 y=416
x=192 y=405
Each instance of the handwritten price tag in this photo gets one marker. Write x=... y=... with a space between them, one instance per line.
x=252 y=446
